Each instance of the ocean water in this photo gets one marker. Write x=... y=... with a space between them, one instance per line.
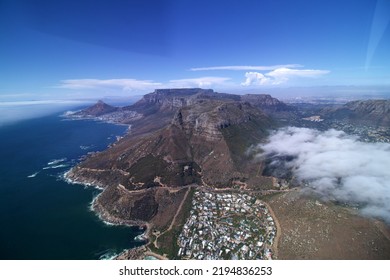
x=42 y=216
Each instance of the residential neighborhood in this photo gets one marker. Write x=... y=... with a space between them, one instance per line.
x=224 y=226
x=366 y=133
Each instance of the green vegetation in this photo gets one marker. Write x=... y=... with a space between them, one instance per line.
x=168 y=244
x=240 y=137
x=147 y=168
x=168 y=240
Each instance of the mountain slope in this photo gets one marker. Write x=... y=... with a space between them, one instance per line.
x=180 y=137
x=266 y=102
x=98 y=109
x=206 y=141
x=367 y=112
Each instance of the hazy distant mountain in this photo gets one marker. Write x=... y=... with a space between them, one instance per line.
x=98 y=109
x=266 y=102
x=366 y=112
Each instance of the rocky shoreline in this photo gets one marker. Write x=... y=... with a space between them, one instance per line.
x=139 y=253
x=73 y=181
x=134 y=253
x=104 y=215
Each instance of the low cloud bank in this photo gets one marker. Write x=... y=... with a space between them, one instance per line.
x=11 y=112
x=337 y=166
x=280 y=76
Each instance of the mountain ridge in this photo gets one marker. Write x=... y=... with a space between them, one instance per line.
x=183 y=123
x=96 y=110
x=368 y=112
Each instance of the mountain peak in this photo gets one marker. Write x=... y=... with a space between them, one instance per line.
x=98 y=109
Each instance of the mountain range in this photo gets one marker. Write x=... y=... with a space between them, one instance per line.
x=367 y=112
x=179 y=139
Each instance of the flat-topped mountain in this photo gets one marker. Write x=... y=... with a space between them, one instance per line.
x=368 y=112
x=266 y=102
x=156 y=109
x=187 y=135
x=163 y=103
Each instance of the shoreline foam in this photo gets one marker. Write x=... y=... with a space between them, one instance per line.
x=55 y=166
x=107 y=218
x=55 y=161
x=70 y=181
x=33 y=175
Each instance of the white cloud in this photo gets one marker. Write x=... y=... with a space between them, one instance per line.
x=39 y=102
x=124 y=84
x=280 y=76
x=141 y=85
x=284 y=72
x=11 y=112
x=198 y=82
x=255 y=78
x=338 y=166
x=246 y=67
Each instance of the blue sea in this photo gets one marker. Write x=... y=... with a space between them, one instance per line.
x=42 y=216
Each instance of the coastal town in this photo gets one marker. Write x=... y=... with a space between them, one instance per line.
x=366 y=133
x=223 y=226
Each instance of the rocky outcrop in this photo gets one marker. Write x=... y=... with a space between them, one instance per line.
x=167 y=100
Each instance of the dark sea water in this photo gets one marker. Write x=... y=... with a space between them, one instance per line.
x=42 y=216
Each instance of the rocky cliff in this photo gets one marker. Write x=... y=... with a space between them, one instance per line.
x=266 y=102
x=165 y=102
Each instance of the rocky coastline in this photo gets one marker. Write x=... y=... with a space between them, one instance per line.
x=134 y=253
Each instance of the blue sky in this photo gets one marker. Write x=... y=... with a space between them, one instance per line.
x=52 y=50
